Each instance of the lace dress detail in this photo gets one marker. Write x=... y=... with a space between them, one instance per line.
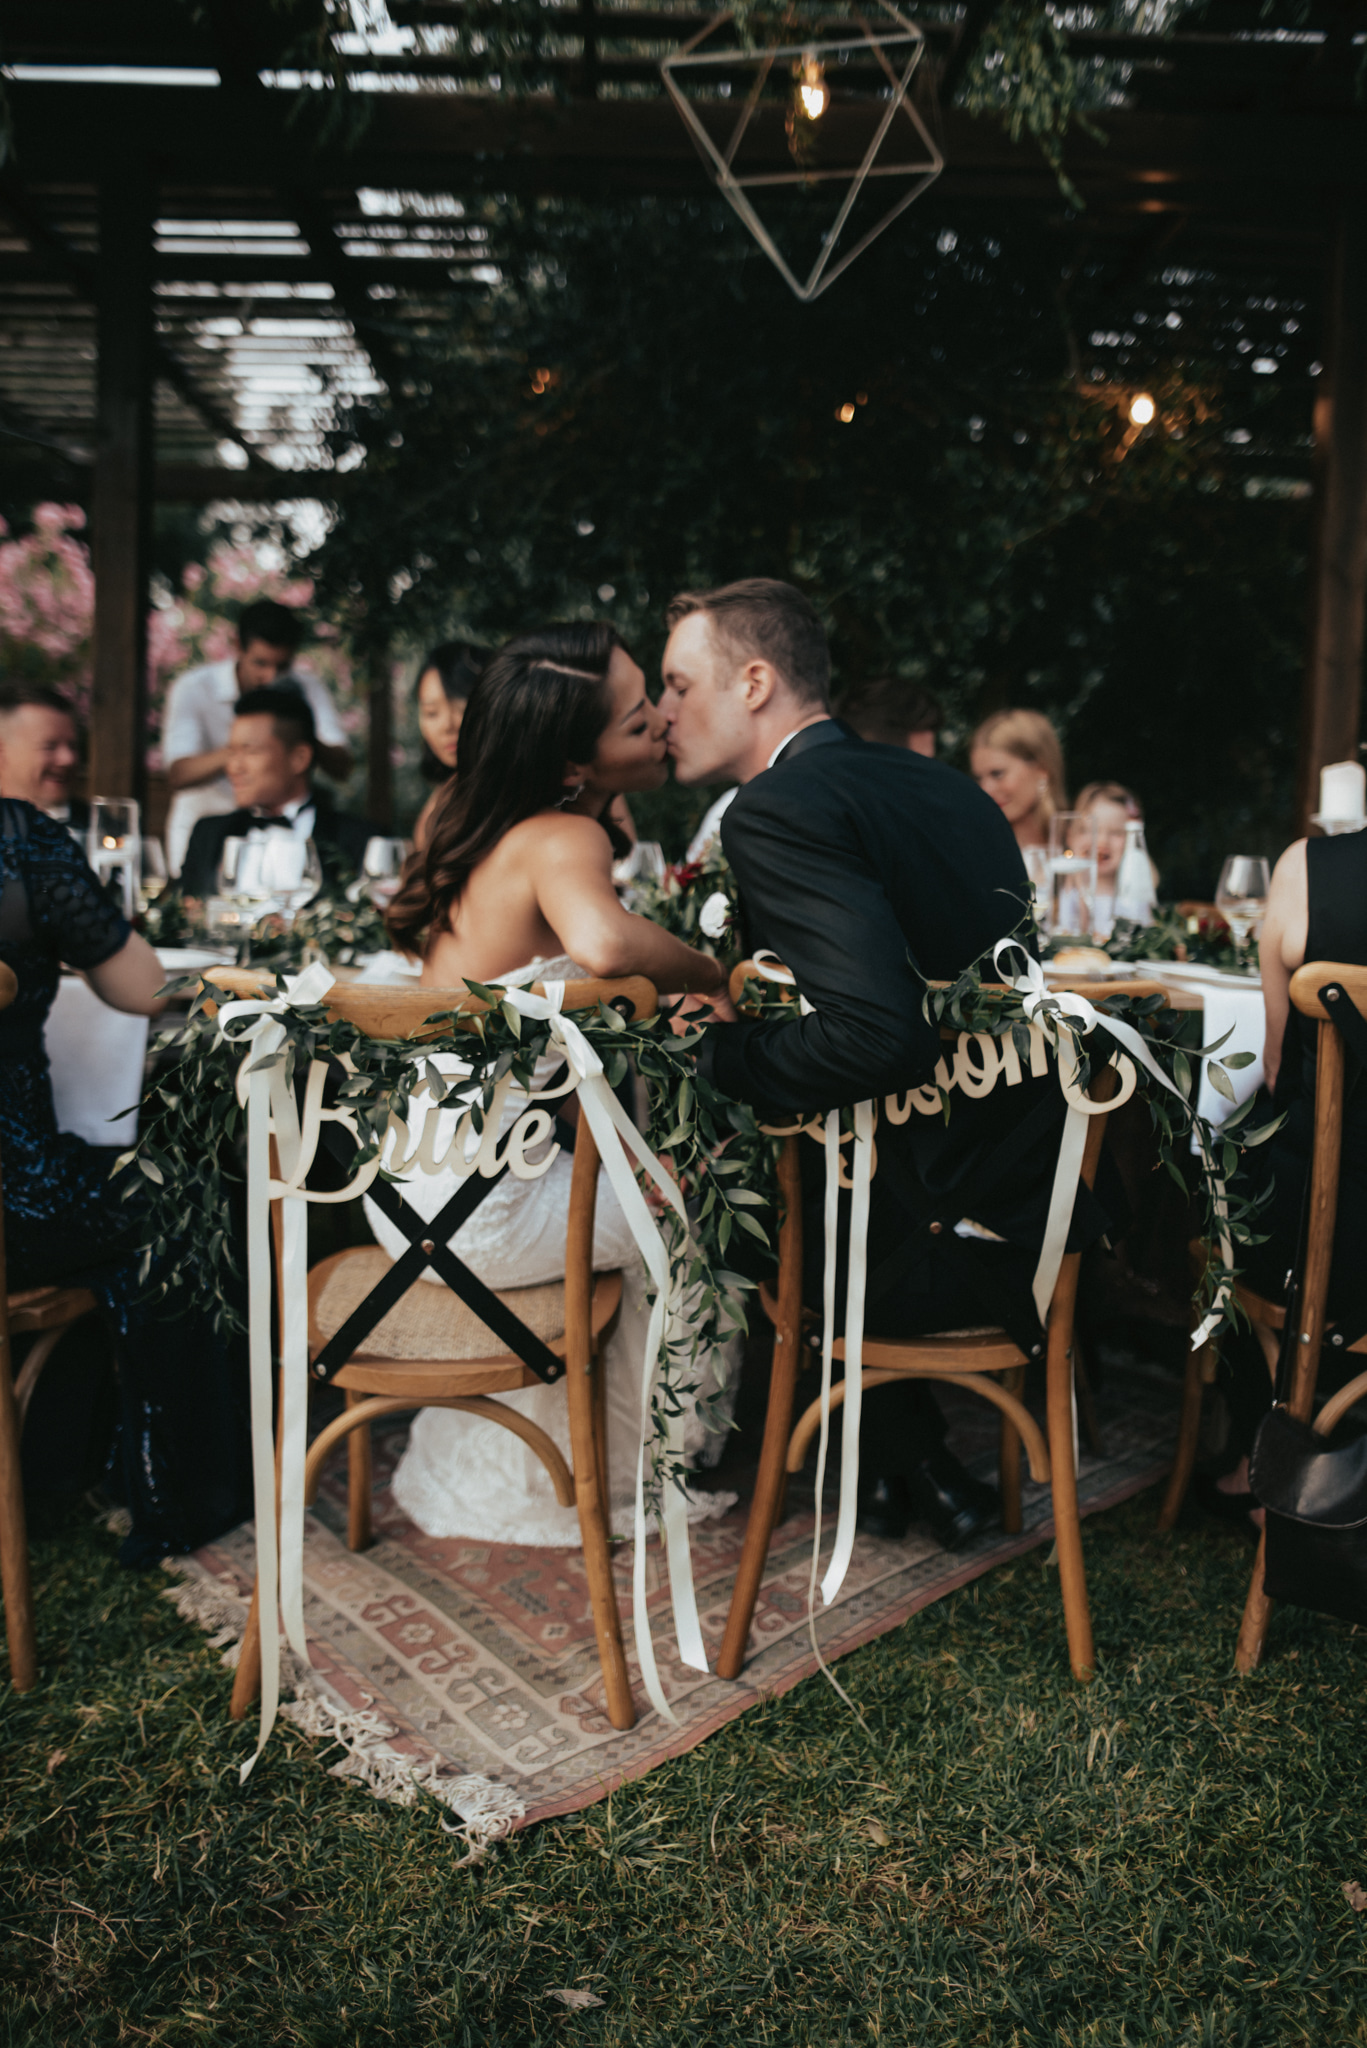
x=180 y=1459
x=461 y=1476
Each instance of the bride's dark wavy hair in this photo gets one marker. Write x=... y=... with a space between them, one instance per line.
x=541 y=703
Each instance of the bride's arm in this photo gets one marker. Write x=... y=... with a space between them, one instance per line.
x=573 y=881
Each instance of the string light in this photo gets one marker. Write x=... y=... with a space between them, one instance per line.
x=813 y=90
x=1142 y=409
x=846 y=413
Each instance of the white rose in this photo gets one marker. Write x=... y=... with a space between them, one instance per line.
x=715 y=916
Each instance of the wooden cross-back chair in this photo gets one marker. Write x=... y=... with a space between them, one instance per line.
x=394 y=1342
x=47 y=1313
x=1268 y=1317
x=985 y=1361
x=1334 y=995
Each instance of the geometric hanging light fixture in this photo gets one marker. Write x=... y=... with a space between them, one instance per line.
x=795 y=131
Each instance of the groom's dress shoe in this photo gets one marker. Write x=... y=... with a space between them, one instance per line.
x=957 y=1506
x=883 y=1508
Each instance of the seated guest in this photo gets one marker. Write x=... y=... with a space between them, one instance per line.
x=1110 y=807
x=895 y=713
x=1016 y=756
x=39 y=750
x=199 y=716
x=445 y=680
x=180 y=1462
x=270 y=756
x=1316 y=910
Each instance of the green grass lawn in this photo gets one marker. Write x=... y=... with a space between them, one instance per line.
x=1007 y=1859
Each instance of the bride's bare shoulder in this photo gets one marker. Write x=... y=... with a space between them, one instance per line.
x=564 y=835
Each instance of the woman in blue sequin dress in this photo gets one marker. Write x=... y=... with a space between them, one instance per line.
x=181 y=1461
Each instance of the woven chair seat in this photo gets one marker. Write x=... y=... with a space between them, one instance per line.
x=430 y=1322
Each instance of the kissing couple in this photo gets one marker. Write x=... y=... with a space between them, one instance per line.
x=868 y=870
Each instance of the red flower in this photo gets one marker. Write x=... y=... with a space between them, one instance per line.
x=686 y=873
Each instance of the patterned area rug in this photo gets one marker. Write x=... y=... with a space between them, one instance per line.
x=477 y=1660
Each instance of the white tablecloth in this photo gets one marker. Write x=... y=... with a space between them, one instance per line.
x=1233 y=1004
x=96 y=1055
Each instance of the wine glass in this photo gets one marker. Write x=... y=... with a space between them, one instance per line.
x=291 y=873
x=1072 y=874
x=154 y=876
x=1241 y=897
x=382 y=866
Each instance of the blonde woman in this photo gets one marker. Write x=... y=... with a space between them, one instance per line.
x=1016 y=757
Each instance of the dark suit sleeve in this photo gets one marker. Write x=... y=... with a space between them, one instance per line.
x=807 y=883
x=200 y=867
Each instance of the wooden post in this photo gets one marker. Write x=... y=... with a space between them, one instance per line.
x=122 y=497
x=1331 y=708
x=379 y=803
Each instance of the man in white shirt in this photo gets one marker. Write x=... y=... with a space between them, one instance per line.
x=199 y=718
x=270 y=761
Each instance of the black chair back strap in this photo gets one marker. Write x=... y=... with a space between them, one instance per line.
x=509 y=1328
x=932 y=1219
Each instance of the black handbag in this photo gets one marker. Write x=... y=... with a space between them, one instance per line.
x=1315 y=1494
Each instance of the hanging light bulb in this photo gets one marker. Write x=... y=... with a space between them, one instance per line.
x=812 y=90
x=1142 y=409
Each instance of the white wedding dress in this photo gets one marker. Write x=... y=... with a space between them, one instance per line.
x=462 y=1476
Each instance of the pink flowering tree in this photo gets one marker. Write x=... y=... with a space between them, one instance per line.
x=47 y=615
x=47 y=602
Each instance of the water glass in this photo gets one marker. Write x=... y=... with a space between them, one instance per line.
x=1072 y=875
x=113 y=846
x=1241 y=897
x=382 y=866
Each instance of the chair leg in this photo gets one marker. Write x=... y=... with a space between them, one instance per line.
x=591 y=1500
x=14 y=1571
x=1067 y=1523
x=771 y=1484
x=1257 y=1615
x=1188 y=1431
x=360 y=1483
x=247 y=1677
x=1009 y=1457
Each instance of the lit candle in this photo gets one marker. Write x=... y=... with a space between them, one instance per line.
x=1343 y=791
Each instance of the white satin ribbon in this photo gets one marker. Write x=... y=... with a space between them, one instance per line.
x=616 y=1136
x=271 y=1110
x=1041 y=1005
x=861 y=1176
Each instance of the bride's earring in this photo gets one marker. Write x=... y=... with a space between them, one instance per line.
x=570 y=796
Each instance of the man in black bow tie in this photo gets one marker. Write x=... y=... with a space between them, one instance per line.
x=270 y=764
x=867 y=869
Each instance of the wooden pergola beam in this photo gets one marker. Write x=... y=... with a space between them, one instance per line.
x=121 y=507
x=1331 y=709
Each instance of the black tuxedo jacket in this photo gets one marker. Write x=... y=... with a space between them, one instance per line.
x=869 y=870
x=339 y=838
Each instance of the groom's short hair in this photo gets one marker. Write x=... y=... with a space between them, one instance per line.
x=760 y=618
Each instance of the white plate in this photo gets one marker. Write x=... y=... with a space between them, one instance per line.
x=176 y=959
x=1193 y=971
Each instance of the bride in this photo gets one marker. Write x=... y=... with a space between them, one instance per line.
x=514 y=884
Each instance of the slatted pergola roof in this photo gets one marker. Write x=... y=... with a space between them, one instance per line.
x=168 y=205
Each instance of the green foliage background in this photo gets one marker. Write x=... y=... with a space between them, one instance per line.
x=979 y=523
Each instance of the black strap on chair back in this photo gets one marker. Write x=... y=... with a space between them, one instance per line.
x=428 y=1247
x=931 y=1220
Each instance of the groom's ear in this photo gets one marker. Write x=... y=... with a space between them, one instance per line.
x=759 y=680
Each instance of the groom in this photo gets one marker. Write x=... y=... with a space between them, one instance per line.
x=867 y=869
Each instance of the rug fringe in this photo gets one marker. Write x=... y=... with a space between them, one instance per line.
x=487 y=1811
